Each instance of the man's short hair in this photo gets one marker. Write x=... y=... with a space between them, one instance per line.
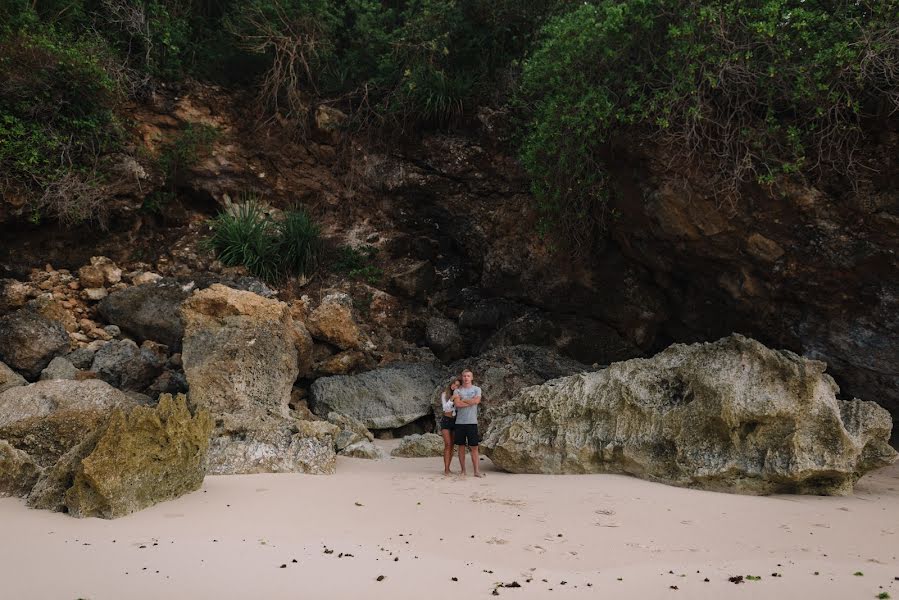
x=464 y=371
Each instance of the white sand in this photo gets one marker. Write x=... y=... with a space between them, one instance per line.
x=230 y=539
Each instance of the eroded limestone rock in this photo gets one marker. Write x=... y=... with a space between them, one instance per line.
x=731 y=416
x=418 y=446
x=18 y=471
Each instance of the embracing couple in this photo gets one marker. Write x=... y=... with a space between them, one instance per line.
x=459 y=424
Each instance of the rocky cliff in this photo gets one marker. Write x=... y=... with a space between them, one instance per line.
x=811 y=269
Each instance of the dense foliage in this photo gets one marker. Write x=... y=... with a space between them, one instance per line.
x=750 y=90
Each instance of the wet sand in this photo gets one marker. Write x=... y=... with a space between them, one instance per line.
x=429 y=536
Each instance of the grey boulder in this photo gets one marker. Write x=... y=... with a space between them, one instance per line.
x=384 y=398
x=29 y=341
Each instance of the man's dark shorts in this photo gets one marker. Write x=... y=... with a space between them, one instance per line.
x=447 y=422
x=466 y=434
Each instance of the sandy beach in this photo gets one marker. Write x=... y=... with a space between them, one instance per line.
x=429 y=536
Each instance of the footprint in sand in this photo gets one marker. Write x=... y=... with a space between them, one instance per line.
x=535 y=549
x=498 y=541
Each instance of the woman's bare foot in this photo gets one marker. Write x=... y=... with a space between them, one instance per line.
x=447 y=472
x=479 y=474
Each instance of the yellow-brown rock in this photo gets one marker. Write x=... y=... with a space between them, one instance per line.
x=142 y=457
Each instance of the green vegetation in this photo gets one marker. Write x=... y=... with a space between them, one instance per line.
x=747 y=91
x=883 y=596
x=357 y=263
x=269 y=250
x=751 y=90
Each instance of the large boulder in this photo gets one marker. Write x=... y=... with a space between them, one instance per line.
x=730 y=416
x=18 y=472
x=46 y=419
x=241 y=358
x=123 y=364
x=419 y=446
x=444 y=338
x=9 y=378
x=240 y=351
x=267 y=444
x=332 y=321
x=148 y=312
x=138 y=458
x=503 y=372
x=29 y=341
x=384 y=398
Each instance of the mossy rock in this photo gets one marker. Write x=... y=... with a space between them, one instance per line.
x=140 y=457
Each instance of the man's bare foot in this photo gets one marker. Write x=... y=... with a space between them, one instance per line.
x=462 y=473
x=479 y=474
x=447 y=472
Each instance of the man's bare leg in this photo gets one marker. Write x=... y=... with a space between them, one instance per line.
x=462 y=457
x=475 y=461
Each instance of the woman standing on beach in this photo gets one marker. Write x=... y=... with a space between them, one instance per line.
x=448 y=423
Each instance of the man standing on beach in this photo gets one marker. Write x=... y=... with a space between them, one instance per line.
x=466 y=398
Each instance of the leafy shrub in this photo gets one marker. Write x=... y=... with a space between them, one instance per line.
x=269 y=250
x=752 y=89
x=357 y=263
x=56 y=119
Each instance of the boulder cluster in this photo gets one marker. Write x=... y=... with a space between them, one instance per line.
x=122 y=389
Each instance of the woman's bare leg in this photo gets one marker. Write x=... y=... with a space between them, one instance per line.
x=447 y=450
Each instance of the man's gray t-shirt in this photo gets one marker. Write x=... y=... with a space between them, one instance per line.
x=467 y=415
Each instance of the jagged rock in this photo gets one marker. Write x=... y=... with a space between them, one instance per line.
x=384 y=398
x=29 y=341
x=581 y=338
x=126 y=366
x=239 y=351
x=95 y=294
x=101 y=272
x=13 y=295
x=50 y=490
x=340 y=363
x=350 y=431
x=138 y=458
x=269 y=445
x=53 y=310
x=328 y=118
x=332 y=321
x=362 y=449
x=490 y=313
x=18 y=471
x=144 y=277
x=502 y=373
x=419 y=446
x=59 y=368
x=46 y=419
x=149 y=311
x=445 y=339
x=415 y=281
x=83 y=357
x=730 y=416
x=9 y=378
x=304 y=345
x=169 y=382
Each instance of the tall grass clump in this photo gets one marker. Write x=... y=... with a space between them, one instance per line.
x=270 y=250
x=300 y=242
